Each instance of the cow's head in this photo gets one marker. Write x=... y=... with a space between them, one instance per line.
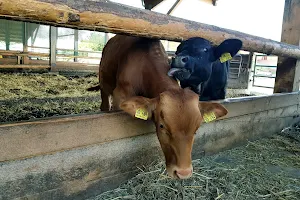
x=177 y=116
x=198 y=54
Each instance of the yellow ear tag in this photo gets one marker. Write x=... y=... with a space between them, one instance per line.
x=141 y=113
x=208 y=117
x=178 y=81
x=225 y=57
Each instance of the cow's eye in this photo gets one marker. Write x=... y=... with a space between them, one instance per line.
x=161 y=126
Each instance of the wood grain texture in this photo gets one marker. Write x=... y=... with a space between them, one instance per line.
x=105 y=16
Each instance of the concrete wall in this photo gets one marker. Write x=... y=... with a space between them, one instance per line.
x=79 y=156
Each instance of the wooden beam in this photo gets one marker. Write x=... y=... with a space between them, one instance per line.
x=106 y=16
x=20 y=53
x=61 y=49
x=76 y=57
x=285 y=75
x=24 y=67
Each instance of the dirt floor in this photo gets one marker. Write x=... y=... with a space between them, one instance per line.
x=25 y=96
x=268 y=168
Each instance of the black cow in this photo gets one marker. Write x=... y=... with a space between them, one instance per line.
x=203 y=67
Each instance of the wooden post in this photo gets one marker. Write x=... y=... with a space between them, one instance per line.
x=25 y=43
x=106 y=38
x=75 y=44
x=53 y=40
x=296 y=84
x=251 y=71
x=286 y=69
x=7 y=35
x=249 y=63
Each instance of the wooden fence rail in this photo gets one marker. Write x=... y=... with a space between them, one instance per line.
x=103 y=15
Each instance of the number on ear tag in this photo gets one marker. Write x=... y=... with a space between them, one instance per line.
x=141 y=113
x=225 y=57
x=208 y=117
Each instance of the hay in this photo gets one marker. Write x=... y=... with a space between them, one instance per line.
x=29 y=85
x=26 y=96
x=265 y=169
x=233 y=93
x=28 y=110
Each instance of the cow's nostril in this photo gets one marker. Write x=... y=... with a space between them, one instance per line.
x=184 y=59
x=175 y=174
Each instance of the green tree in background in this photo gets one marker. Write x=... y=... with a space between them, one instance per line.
x=95 y=41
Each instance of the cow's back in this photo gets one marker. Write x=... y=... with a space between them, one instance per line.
x=113 y=52
x=134 y=60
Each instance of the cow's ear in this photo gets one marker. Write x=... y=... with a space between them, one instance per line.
x=139 y=107
x=211 y=111
x=227 y=49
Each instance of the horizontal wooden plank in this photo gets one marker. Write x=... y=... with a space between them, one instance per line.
x=71 y=56
x=21 y=53
x=8 y=61
x=106 y=16
x=79 y=50
x=24 y=66
x=72 y=66
x=26 y=139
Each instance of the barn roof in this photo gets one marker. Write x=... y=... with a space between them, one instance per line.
x=150 y=4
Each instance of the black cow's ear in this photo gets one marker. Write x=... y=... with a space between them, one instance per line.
x=227 y=49
x=179 y=48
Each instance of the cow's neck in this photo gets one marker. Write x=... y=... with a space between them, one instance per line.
x=162 y=84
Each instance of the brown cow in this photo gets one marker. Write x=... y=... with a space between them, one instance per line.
x=134 y=71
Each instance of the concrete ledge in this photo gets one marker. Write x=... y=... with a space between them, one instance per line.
x=27 y=139
x=87 y=171
x=32 y=138
x=77 y=173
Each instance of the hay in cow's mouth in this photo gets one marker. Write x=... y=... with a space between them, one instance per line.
x=268 y=168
